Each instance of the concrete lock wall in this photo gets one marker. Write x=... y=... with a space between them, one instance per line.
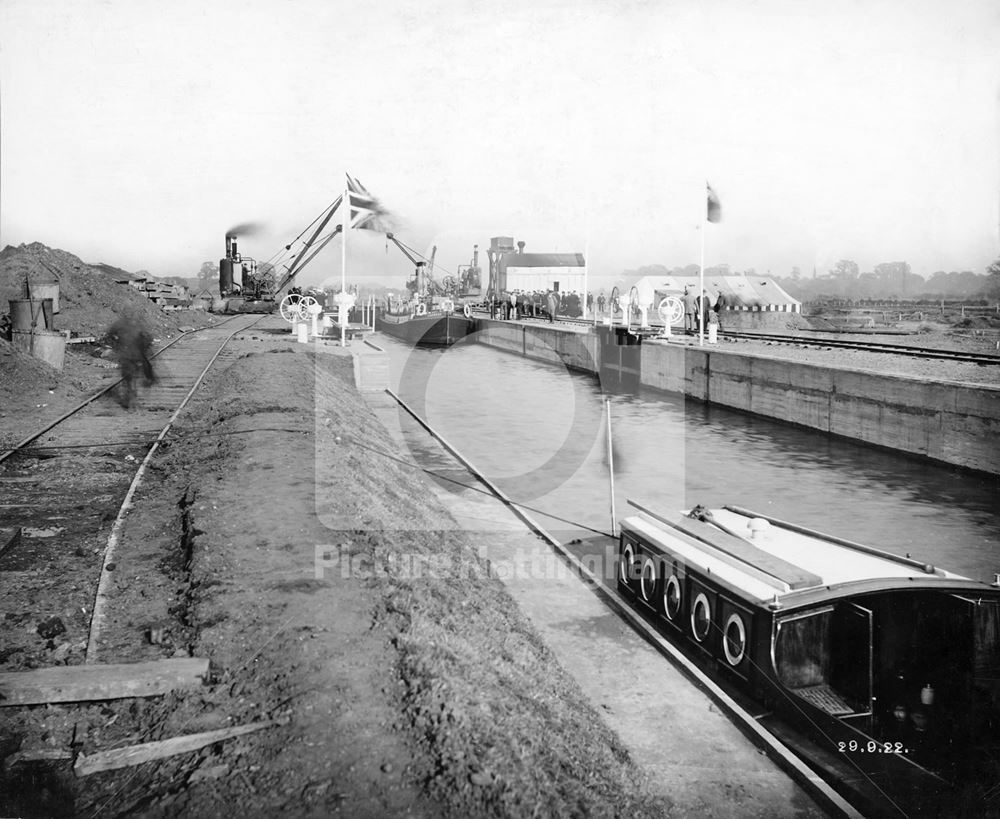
x=576 y=350
x=371 y=367
x=951 y=422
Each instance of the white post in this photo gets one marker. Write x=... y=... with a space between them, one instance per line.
x=343 y=262
x=611 y=472
x=700 y=317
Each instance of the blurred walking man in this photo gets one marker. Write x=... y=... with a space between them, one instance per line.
x=131 y=343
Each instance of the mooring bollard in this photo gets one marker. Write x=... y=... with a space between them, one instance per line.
x=713 y=333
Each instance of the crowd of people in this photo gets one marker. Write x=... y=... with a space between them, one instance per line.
x=699 y=310
x=538 y=304
x=700 y=313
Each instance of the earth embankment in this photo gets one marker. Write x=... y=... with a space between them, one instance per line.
x=427 y=693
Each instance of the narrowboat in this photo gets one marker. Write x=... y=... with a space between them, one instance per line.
x=884 y=663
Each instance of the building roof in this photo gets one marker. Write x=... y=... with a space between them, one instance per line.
x=509 y=260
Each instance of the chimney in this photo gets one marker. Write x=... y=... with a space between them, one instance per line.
x=520 y=247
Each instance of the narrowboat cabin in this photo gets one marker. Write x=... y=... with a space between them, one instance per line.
x=888 y=662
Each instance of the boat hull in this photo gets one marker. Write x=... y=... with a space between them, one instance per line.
x=890 y=682
x=434 y=329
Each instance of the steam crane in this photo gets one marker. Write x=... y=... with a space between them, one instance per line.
x=424 y=283
x=303 y=259
x=470 y=275
x=244 y=289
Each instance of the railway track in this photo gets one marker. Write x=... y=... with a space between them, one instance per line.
x=67 y=488
x=869 y=346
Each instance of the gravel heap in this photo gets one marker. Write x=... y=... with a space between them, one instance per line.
x=89 y=298
x=18 y=369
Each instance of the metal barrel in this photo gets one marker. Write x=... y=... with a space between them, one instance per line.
x=47 y=345
x=28 y=314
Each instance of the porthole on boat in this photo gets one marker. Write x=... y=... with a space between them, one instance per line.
x=701 y=617
x=672 y=597
x=647 y=581
x=625 y=563
x=734 y=641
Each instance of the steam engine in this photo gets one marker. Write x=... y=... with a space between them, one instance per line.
x=238 y=276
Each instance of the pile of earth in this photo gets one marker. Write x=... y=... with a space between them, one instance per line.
x=977 y=322
x=21 y=373
x=18 y=369
x=89 y=297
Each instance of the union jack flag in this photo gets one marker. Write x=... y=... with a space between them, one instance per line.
x=367 y=212
x=714 y=206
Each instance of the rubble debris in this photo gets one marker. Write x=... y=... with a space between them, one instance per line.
x=49 y=628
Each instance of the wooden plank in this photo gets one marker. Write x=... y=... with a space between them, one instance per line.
x=795 y=576
x=80 y=683
x=37 y=755
x=151 y=751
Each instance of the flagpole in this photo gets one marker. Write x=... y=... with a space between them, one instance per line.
x=346 y=221
x=701 y=280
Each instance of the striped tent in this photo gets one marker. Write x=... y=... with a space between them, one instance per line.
x=751 y=293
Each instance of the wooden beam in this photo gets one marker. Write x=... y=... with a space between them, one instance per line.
x=37 y=755
x=81 y=683
x=150 y=751
x=14 y=540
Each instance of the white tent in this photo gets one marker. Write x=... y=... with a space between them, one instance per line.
x=742 y=292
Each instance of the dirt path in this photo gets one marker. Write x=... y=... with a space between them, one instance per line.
x=260 y=541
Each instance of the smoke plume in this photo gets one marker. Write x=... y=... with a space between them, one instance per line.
x=243 y=229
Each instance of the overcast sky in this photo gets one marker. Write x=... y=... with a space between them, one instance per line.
x=136 y=132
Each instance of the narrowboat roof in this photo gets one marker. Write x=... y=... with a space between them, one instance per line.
x=766 y=560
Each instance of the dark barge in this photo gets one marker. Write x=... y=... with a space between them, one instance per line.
x=440 y=326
